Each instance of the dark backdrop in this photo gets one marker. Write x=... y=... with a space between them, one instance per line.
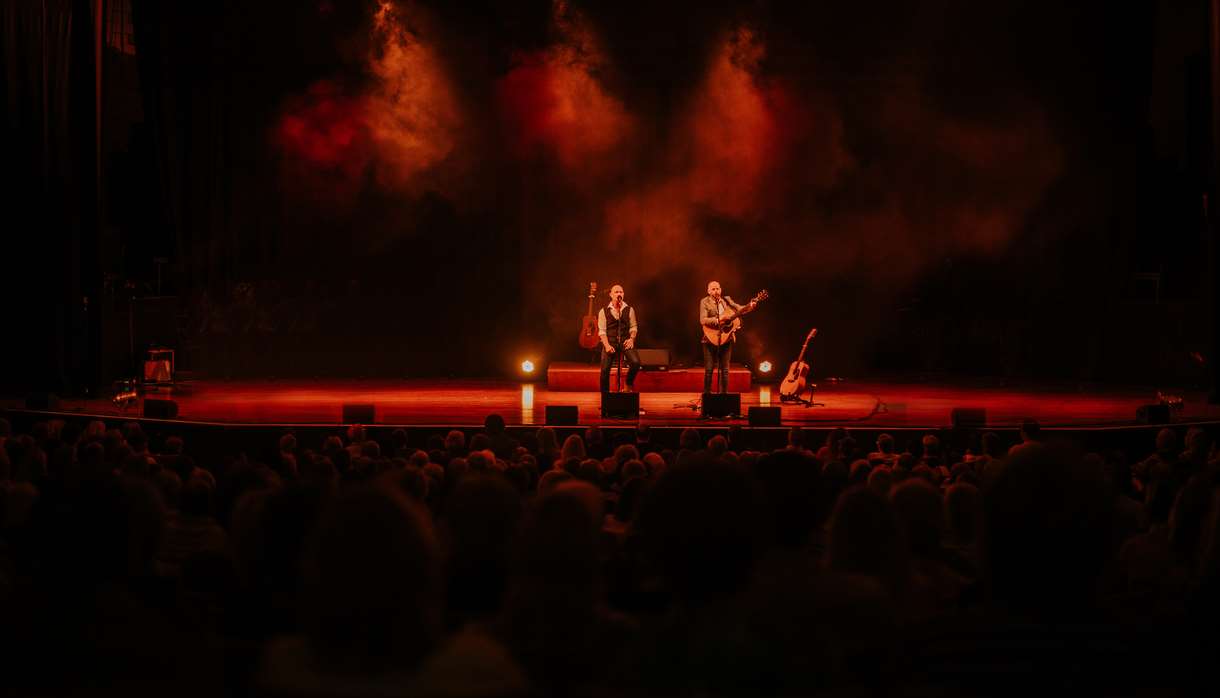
x=990 y=189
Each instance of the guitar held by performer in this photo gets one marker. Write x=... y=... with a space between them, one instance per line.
x=795 y=382
x=588 y=324
x=725 y=332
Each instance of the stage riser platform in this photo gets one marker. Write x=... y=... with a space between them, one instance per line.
x=566 y=376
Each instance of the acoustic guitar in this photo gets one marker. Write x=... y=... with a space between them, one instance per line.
x=729 y=324
x=794 y=383
x=588 y=324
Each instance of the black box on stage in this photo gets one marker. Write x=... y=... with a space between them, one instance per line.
x=764 y=416
x=968 y=417
x=42 y=401
x=160 y=409
x=654 y=359
x=721 y=404
x=562 y=415
x=1152 y=414
x=621 y=405
x=358 y=413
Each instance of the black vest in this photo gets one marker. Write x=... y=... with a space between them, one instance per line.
x=615 y=326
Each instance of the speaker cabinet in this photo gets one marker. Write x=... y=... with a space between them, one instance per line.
x=42 y=401
x=1152 y=414
x=621 y=405
x=654 y=359
x=764 y=416
x=721 y=405
x=359 y=413
x=160 y=409
x=968 y=417
x=562 y=415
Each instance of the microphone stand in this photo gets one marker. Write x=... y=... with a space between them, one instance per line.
x=618 y=381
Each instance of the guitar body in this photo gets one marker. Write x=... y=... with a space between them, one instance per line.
x=726 y=331
x=719 y=336
x=588 y=332
x=794 y=383
x=588 y=324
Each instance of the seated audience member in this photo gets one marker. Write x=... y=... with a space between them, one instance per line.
x=371 y=603
x=501 y=443
x=964 y=523
x=884 y=455
x=1030 y=432
x=865 y=538
x=556 y=623
x=548 y=448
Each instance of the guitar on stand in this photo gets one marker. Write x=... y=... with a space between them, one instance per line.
x=588 y=324
x=724 y=332
x=796 y=381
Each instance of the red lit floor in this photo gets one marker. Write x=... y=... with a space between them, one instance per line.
x=467 y=402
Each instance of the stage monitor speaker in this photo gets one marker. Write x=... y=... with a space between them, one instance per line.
x=621 y=405
x=42 y=401
x=562 y=415
x=721 y=404
x=968 y=417
x=764 y=416
x=160 y=409
x=654 y=359
x=1152 y=414
x=358 y=413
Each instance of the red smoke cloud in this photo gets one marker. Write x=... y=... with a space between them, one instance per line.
x=325 y=139
x=733 y=131
x=732 y=142
x=413 y=115
x=553 y=101
x=401 y=128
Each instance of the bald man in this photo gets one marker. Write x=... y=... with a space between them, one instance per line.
x=712 y=308
x=616 y=328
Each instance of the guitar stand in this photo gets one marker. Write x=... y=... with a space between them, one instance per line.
x=807 y=402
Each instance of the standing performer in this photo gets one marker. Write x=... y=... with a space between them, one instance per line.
x=616 y=327
x=712 y=310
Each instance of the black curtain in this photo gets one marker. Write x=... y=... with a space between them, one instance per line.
x=49 y=161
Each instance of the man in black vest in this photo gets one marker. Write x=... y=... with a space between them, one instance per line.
x=616 y=327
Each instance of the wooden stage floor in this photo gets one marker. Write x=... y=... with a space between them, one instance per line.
x=467 y=402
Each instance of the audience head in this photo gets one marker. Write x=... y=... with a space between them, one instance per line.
x=885 y=444
x=1047 y=532
x=1031 y=430
x=865 y=538
x=371 y=584
x=493 y=424
x=700 y=524
x=573 y=447
x=690 y=439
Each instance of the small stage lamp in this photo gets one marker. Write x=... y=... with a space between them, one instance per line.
x=527 y=367
x=764 y=367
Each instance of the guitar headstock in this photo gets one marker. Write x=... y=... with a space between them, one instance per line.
x=812 y=333
x=760 y=296
x=592 y=289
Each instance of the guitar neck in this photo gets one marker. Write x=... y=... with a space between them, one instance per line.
x=800 y=358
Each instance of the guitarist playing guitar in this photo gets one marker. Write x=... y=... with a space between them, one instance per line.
x=720 y=318
x=794 y=383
